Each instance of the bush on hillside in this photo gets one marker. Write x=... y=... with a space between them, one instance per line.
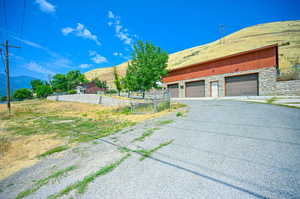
x=22 y=94
x=3 y=98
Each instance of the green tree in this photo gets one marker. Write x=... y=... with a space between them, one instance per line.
x=36 y=83
x=59 y=82
x=99 y=83
x=43 y=91
x=64 y=83
x=117 y=81
x=22 y=93
x=74 y=78
x=147 y=67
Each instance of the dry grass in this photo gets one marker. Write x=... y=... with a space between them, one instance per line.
x=40 y=126
x=243 y=40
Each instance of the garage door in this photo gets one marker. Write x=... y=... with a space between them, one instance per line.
x=243 y=85
x=173 y=89
x=195 y=89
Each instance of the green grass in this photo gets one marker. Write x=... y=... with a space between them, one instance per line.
x=163 y=106
x=147 y=133
x=147 y=153
x=73 y=128
x=124 y=149
x=271 y=100
x=82 y=184
x=44 y=181
x=54 y=150
x=164 y=122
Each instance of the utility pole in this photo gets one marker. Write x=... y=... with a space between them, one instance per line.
x=222 y=31
x=7 y=72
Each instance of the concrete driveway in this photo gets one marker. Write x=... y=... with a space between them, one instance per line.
x=221 y=149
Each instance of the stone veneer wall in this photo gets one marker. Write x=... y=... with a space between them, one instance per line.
x=288 y=87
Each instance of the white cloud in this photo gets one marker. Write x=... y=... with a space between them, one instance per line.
x=119 y=54
x=81 y=31
x=35 y=67
x=111 y=14
x=121 y=32
x=45 y=6
x=35 y=45
x=67 y=30
x=97 y=58
x=85 y=66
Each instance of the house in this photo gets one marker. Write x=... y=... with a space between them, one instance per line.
x=89 y=88
x=248 y=73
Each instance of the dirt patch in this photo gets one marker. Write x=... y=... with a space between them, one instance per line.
x=22 y=152
x=36 y=126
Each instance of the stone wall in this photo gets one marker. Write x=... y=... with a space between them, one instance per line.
x=288 y=88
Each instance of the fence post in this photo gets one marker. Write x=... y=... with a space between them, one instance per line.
x=100 y=99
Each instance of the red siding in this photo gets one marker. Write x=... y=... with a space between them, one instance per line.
x=250 y=60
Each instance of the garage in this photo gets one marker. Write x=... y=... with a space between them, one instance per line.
x=195 y=89
x=242 y=85
x=173 y=89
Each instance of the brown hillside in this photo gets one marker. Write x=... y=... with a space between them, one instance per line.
x=286 y=34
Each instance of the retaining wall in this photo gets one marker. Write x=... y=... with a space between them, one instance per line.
x=291 y=87
x=84 y=98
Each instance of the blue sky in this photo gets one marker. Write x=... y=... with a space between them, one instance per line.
x=61 y=35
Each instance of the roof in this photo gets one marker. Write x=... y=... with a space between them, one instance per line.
x=228 y=56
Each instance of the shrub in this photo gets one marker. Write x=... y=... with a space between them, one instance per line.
x=72 y=92
x=179 y=114
x=3 y=98
x=22 y=94
x=163 y=106
x=111 y=91
x=43 y=91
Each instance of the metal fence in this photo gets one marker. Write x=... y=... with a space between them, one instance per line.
x=153 y=101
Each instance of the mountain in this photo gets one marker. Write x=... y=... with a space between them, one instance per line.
x=284 y=33
x=16 y=82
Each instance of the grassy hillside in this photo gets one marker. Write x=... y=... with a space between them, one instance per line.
x=286 y=34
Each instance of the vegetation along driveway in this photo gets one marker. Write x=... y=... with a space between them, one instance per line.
x=217 y=149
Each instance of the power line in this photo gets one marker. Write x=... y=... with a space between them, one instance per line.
x=5 y=14
x=23 y=18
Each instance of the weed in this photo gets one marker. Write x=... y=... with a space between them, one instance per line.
x=147 y=153
x=82 y=184
x=164 y=122
x=177 y=105
x=124 y=149
x=271 y=100
x=54 y=150
x=44 y=181
x=124 y=110
x=163 y=106
x=179 y=114
x=4 y=144
x=147 y=133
